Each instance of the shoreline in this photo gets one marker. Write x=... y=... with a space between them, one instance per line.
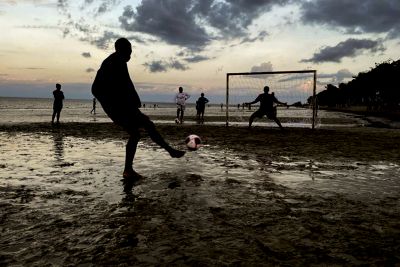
x=382 y=119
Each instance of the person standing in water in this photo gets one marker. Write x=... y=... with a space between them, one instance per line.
x=58 y=103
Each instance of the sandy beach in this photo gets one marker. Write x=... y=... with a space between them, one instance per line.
x=257 y=197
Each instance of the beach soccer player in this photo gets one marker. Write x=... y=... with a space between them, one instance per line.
x=58 y=103
x=116 y=93
x=180 y=99
x=267 y=107
x=201 y=106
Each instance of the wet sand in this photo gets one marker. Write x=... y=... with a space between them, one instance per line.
x=259 y=197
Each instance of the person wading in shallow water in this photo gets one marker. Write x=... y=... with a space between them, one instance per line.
x=266 y=107
x=94 y=106
x=58 y=103
x=116 y=93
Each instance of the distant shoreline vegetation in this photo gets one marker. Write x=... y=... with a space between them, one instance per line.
x=377 y=90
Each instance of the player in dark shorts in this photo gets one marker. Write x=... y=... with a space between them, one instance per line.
x=116 y=93
x=266 y=107
x=200 y=107
x=58 y=103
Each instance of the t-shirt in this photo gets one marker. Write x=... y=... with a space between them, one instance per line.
x=266 y=101
x=201 y=103
x=58 y=97
x=113 y=86
x=181 y=98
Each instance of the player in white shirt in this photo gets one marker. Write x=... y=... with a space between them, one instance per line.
x=180 y=100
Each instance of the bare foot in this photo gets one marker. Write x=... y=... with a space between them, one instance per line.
x=176 y=153
x=131 y=174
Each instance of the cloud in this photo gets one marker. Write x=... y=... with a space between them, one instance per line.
x=196 y=59
x=367 y=16
x=172 y=21
x=175 y=64
x=86 y=54
x=106 y=6
x=337 y=77
x=261 y=36
x=264 y=67
x=103 y=41
x=194 y=24
x=156 y=66
x=349 y=48
x=163 y=65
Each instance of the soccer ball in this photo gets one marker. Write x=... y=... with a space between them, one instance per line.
x=193 y=142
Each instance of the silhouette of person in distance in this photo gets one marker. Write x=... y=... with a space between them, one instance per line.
x=266 y=107
x=200 y=107
x=58 y=103
x=180 y=99
x=94 y=106
x=116 y=93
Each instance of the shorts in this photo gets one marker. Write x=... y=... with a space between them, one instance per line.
x=271 y=114
x=57 y=108
x=180 y=107
x=200 y=111
x=131 y=120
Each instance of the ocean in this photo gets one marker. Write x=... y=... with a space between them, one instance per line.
x=33 y=110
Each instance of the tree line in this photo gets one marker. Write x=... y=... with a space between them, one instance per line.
x=378 y=89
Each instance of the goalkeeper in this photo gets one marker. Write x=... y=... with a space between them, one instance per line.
x=266 y=107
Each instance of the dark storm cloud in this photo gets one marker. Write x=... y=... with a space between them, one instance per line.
x=86 y=54
x=172 y=21
x=367 y=16
x=232 y=17
x=349 y=48
x=184 y=22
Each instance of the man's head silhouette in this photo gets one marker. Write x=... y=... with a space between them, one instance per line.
x=180 y=89
x=123 y=48
x=58 y=86
x=266 y=89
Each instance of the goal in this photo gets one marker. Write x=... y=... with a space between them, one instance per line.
x=296 y=88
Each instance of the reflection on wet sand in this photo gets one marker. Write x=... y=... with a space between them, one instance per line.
x=58 y=146
x=295 y=199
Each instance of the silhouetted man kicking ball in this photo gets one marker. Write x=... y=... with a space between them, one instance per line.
x=266 y=107
x=116 y=93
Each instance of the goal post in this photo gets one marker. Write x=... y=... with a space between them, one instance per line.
x=297 y=88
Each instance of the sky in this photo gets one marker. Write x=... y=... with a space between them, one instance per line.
x=190 y=43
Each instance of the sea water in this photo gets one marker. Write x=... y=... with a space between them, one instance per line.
x=27 y=110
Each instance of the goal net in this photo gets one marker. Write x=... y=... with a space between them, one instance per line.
x=296 y=88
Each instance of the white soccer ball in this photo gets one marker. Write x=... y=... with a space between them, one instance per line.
x=193 y=142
